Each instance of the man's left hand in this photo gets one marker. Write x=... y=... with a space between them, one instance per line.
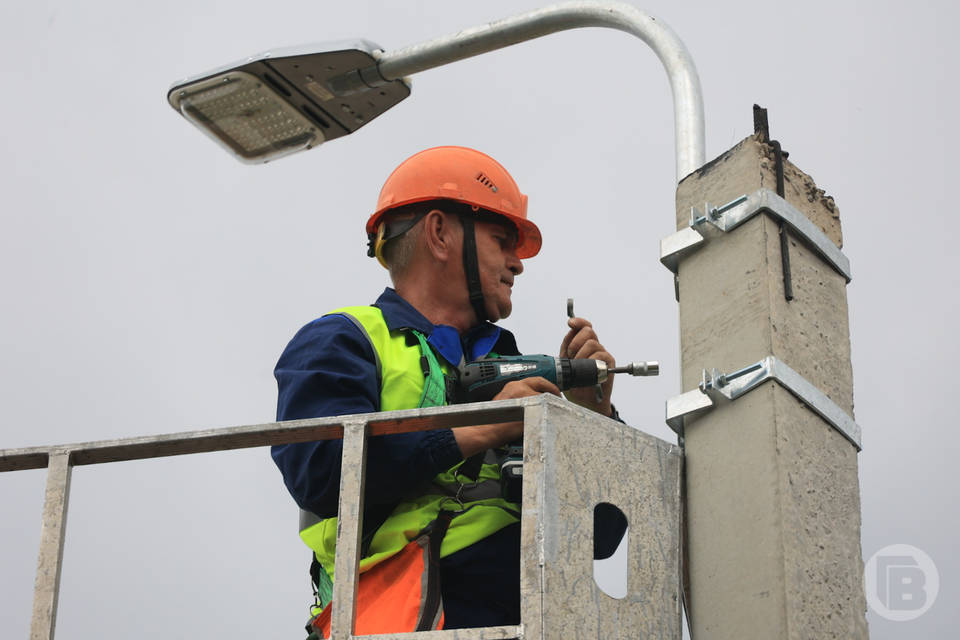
x=582 y=342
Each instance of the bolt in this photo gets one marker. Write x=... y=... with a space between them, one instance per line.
x=731 y=204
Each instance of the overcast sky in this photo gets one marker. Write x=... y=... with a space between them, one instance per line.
x=150 y=280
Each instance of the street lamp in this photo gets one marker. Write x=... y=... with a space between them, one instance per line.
x=291 y=100
x=287 y=100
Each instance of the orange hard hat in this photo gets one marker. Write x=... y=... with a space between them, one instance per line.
x=462 y=175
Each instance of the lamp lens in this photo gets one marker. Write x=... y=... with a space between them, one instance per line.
x=247 y=116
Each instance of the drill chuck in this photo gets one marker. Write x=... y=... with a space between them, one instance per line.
x=572 y=374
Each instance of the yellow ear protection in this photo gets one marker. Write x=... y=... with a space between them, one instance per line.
x=388 y=231
x=379 y=239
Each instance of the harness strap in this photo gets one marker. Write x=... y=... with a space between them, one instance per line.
x=471 y=466
x=432 y=603
x=434 y=382
x=435 y=386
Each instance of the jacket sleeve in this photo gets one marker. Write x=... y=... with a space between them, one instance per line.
x=329 y=369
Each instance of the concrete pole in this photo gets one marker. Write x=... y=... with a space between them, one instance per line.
x=772 y=490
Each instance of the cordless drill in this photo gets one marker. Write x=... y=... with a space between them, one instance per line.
x=483 y=379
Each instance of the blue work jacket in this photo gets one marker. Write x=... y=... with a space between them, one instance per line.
x=329 y=369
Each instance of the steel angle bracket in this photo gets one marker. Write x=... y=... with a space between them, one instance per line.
x=718 y=387
x=728 y=217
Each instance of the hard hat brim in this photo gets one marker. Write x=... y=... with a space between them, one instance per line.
x=529 y=239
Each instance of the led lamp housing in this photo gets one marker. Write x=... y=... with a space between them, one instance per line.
x=289 y=100
x=248 y=118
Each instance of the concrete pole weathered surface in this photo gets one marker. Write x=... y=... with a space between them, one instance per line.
x=773 y=494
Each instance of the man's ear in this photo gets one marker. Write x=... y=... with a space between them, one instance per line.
x=441 y=235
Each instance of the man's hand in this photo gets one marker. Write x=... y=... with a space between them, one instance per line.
x=527 y=387
x=473 y=440
x=582 y=342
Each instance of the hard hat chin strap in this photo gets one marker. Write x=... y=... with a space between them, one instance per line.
x=471 y=267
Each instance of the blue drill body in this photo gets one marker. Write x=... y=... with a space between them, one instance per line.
x=483 y=379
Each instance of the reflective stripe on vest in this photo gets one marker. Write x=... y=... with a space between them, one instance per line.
x=402 y=387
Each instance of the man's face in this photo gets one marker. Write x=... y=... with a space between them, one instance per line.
x=498 y=264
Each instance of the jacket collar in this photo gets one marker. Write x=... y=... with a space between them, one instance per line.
x=476 y=343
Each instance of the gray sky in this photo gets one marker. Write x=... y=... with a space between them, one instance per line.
x=150 y=280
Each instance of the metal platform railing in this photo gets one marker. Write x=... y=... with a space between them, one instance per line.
x=556 y=521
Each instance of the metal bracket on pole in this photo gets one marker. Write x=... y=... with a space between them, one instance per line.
x=715 y=386
x=728 y=217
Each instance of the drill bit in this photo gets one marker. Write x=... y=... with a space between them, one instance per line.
x=651 y=368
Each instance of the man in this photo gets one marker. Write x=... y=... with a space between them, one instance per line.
x=451 y=228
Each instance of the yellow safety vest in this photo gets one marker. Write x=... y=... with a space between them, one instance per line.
x=402 y=387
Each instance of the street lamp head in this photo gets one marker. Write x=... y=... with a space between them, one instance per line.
x=288 y=100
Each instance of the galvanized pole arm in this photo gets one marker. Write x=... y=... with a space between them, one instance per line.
x=684 y=81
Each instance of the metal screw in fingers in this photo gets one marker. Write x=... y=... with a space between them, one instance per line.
x=597 y=389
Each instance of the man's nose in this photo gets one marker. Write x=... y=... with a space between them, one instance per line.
x=514 y=264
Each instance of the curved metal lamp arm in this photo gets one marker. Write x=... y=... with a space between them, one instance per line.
x=684 y=82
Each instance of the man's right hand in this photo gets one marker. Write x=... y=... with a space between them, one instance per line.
x=527 y=387
x=473 y=440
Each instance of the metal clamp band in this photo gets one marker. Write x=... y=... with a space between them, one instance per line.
x=731 y=215
x=715 y=385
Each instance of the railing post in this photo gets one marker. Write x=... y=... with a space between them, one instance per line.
x=349 y=526
x=353 y=430
x=47 y=584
